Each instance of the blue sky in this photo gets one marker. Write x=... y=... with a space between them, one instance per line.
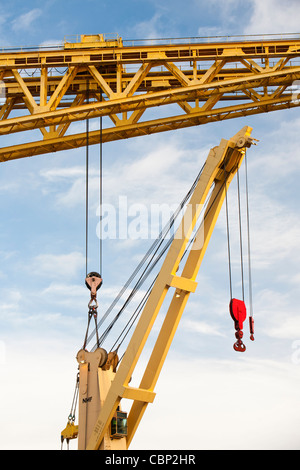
x=43 y=300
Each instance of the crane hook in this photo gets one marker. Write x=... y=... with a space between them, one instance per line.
x=238 y=312
x=93 y=282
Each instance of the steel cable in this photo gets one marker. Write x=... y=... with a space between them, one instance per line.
x=147 y=270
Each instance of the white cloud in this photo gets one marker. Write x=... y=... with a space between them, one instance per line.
x=275 y=232
x=9 y=187
x=274 y=219
x=135 y=174
x=199 y=402
x=277 y=313
x=56 y=174
x=53 y=369
x=214 y=405
x=24 y=22
x=147 y=29
x=253 y=17
x=210 y=31
x=51 y=43
x=274 y=16
x=287 y=327
x=68 y=183
x=63 y=266
x=201 y=327
x=143 y=175
x=294 y=279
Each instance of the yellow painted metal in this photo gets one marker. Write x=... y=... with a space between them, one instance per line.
x=95 y=378
x=50 y=89
x=106 y=76
x=70 y=431
x=93 y=40
x=220 y=167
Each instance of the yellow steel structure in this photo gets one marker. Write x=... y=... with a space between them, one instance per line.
x=49 y=89
x=101 y=388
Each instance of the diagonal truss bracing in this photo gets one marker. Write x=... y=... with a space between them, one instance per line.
x=50 y=90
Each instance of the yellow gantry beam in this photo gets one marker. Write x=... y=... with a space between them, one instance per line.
x=50 y=90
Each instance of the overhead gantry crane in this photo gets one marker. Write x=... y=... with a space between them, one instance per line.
x=48 y=89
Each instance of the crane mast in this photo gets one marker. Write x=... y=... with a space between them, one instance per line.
x=102 y=386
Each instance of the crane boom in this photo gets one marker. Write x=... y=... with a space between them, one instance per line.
x=95 y=377
x=50 y=89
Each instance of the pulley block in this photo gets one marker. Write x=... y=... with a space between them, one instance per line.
x=238 y=312
x=93 y=282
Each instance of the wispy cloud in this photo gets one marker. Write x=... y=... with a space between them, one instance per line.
x=135 y=173
x=25 y=21
x=149 y=28
x=264 y=383
x=201 y=327
x=54 y=174
x=68 y=183
x=58 y=266
x=269 y=16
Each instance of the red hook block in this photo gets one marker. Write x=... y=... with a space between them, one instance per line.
x=238 y=312
x=251 y=326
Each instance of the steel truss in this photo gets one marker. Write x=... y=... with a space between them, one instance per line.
x=51 y=89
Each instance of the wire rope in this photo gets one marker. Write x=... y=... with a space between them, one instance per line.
x=87 y=162
x=147 y=271
x=72 y=413
x=248 y=234
x=87 y=185
x=154 y=248
x=140 y=306
x=101 y=195
x=240 y=231
x=133 y=318
x=228 y=232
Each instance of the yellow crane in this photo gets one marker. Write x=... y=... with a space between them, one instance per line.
x=98 y=76
x=50 y=88
x=102 y=423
